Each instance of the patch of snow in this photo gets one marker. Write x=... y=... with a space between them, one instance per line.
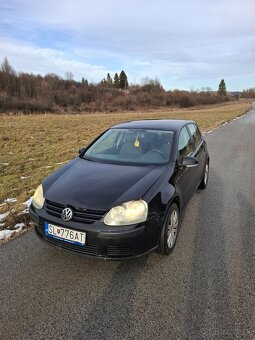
x=31 y=159
x=239 y=117
x=10 y=153
x=2 y=204
x=10 y=200
x=3 y=216
x=48 y=166
x=19 y=225
x=24 y=177
x=5 y=164
x=208 y=132
x=2 y=224
x=4 y=234
x=25 y=211
x=28 y=202
x=60 y=163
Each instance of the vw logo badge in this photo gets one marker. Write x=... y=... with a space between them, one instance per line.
x=67 y=214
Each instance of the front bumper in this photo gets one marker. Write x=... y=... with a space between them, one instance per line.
x=102 y=241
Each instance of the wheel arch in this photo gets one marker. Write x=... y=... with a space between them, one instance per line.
x=177 y=201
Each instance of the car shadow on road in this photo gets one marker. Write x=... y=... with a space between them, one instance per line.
x=110 y=317
x=209 y=314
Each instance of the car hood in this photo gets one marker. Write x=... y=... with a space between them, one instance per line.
x=92 y=185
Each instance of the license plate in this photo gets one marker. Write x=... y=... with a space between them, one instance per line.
x=65 y=234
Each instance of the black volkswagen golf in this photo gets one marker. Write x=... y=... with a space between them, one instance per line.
x=122 y=196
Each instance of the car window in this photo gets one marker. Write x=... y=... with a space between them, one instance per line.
x=185 y=145
x=195 y=134
x=139 y=146
x=106 y=142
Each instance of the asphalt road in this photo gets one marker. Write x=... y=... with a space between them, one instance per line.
x=204 y=290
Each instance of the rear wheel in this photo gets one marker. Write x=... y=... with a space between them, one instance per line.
x=169 y=231
x=204 y=181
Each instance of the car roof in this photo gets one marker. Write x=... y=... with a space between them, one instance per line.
x=161 y=124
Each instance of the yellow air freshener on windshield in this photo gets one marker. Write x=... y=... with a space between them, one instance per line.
x=137 y=143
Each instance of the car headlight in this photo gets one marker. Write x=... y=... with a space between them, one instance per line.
x=128 y=213
x=38 y=199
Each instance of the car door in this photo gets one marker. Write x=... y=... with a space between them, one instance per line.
x=200 y=151
x=185 y=179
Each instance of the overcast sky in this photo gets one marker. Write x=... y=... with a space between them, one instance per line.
x=186 y=44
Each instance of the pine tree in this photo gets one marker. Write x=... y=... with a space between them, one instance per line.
x=116 y=81
x=84 y=82
x=222 y=88
x=109 y=80
x=103 y=82
x=123 y=80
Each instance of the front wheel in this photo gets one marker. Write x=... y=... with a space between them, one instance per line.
x=204 y=181
x=169 y=231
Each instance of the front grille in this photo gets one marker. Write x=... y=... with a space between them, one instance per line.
x=87 y=216
x=120 y=251
x=88 y=249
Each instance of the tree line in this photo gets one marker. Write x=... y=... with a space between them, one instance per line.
x=249 y=93
x=29 y=93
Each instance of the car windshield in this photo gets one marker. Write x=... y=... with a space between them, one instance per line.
x=132 y=146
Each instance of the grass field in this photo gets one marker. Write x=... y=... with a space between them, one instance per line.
x=34 y=146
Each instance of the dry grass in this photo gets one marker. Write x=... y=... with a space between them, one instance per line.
x=33 y=146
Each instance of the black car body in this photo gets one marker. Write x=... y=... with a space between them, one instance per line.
x=91 y=188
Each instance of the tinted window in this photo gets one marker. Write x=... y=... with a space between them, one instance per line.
x=139 y=146
x=185 y=146
x=195 y=134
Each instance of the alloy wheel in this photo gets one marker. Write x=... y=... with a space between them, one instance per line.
x=172 y=229
x=206 y=173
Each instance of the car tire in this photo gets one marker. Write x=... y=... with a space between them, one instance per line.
x=204 y=181
x=169 y=231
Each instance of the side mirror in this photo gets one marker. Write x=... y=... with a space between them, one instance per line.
x=189 y=162
x=80 y=151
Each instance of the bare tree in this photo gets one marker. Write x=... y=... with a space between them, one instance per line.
x=69 y=75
